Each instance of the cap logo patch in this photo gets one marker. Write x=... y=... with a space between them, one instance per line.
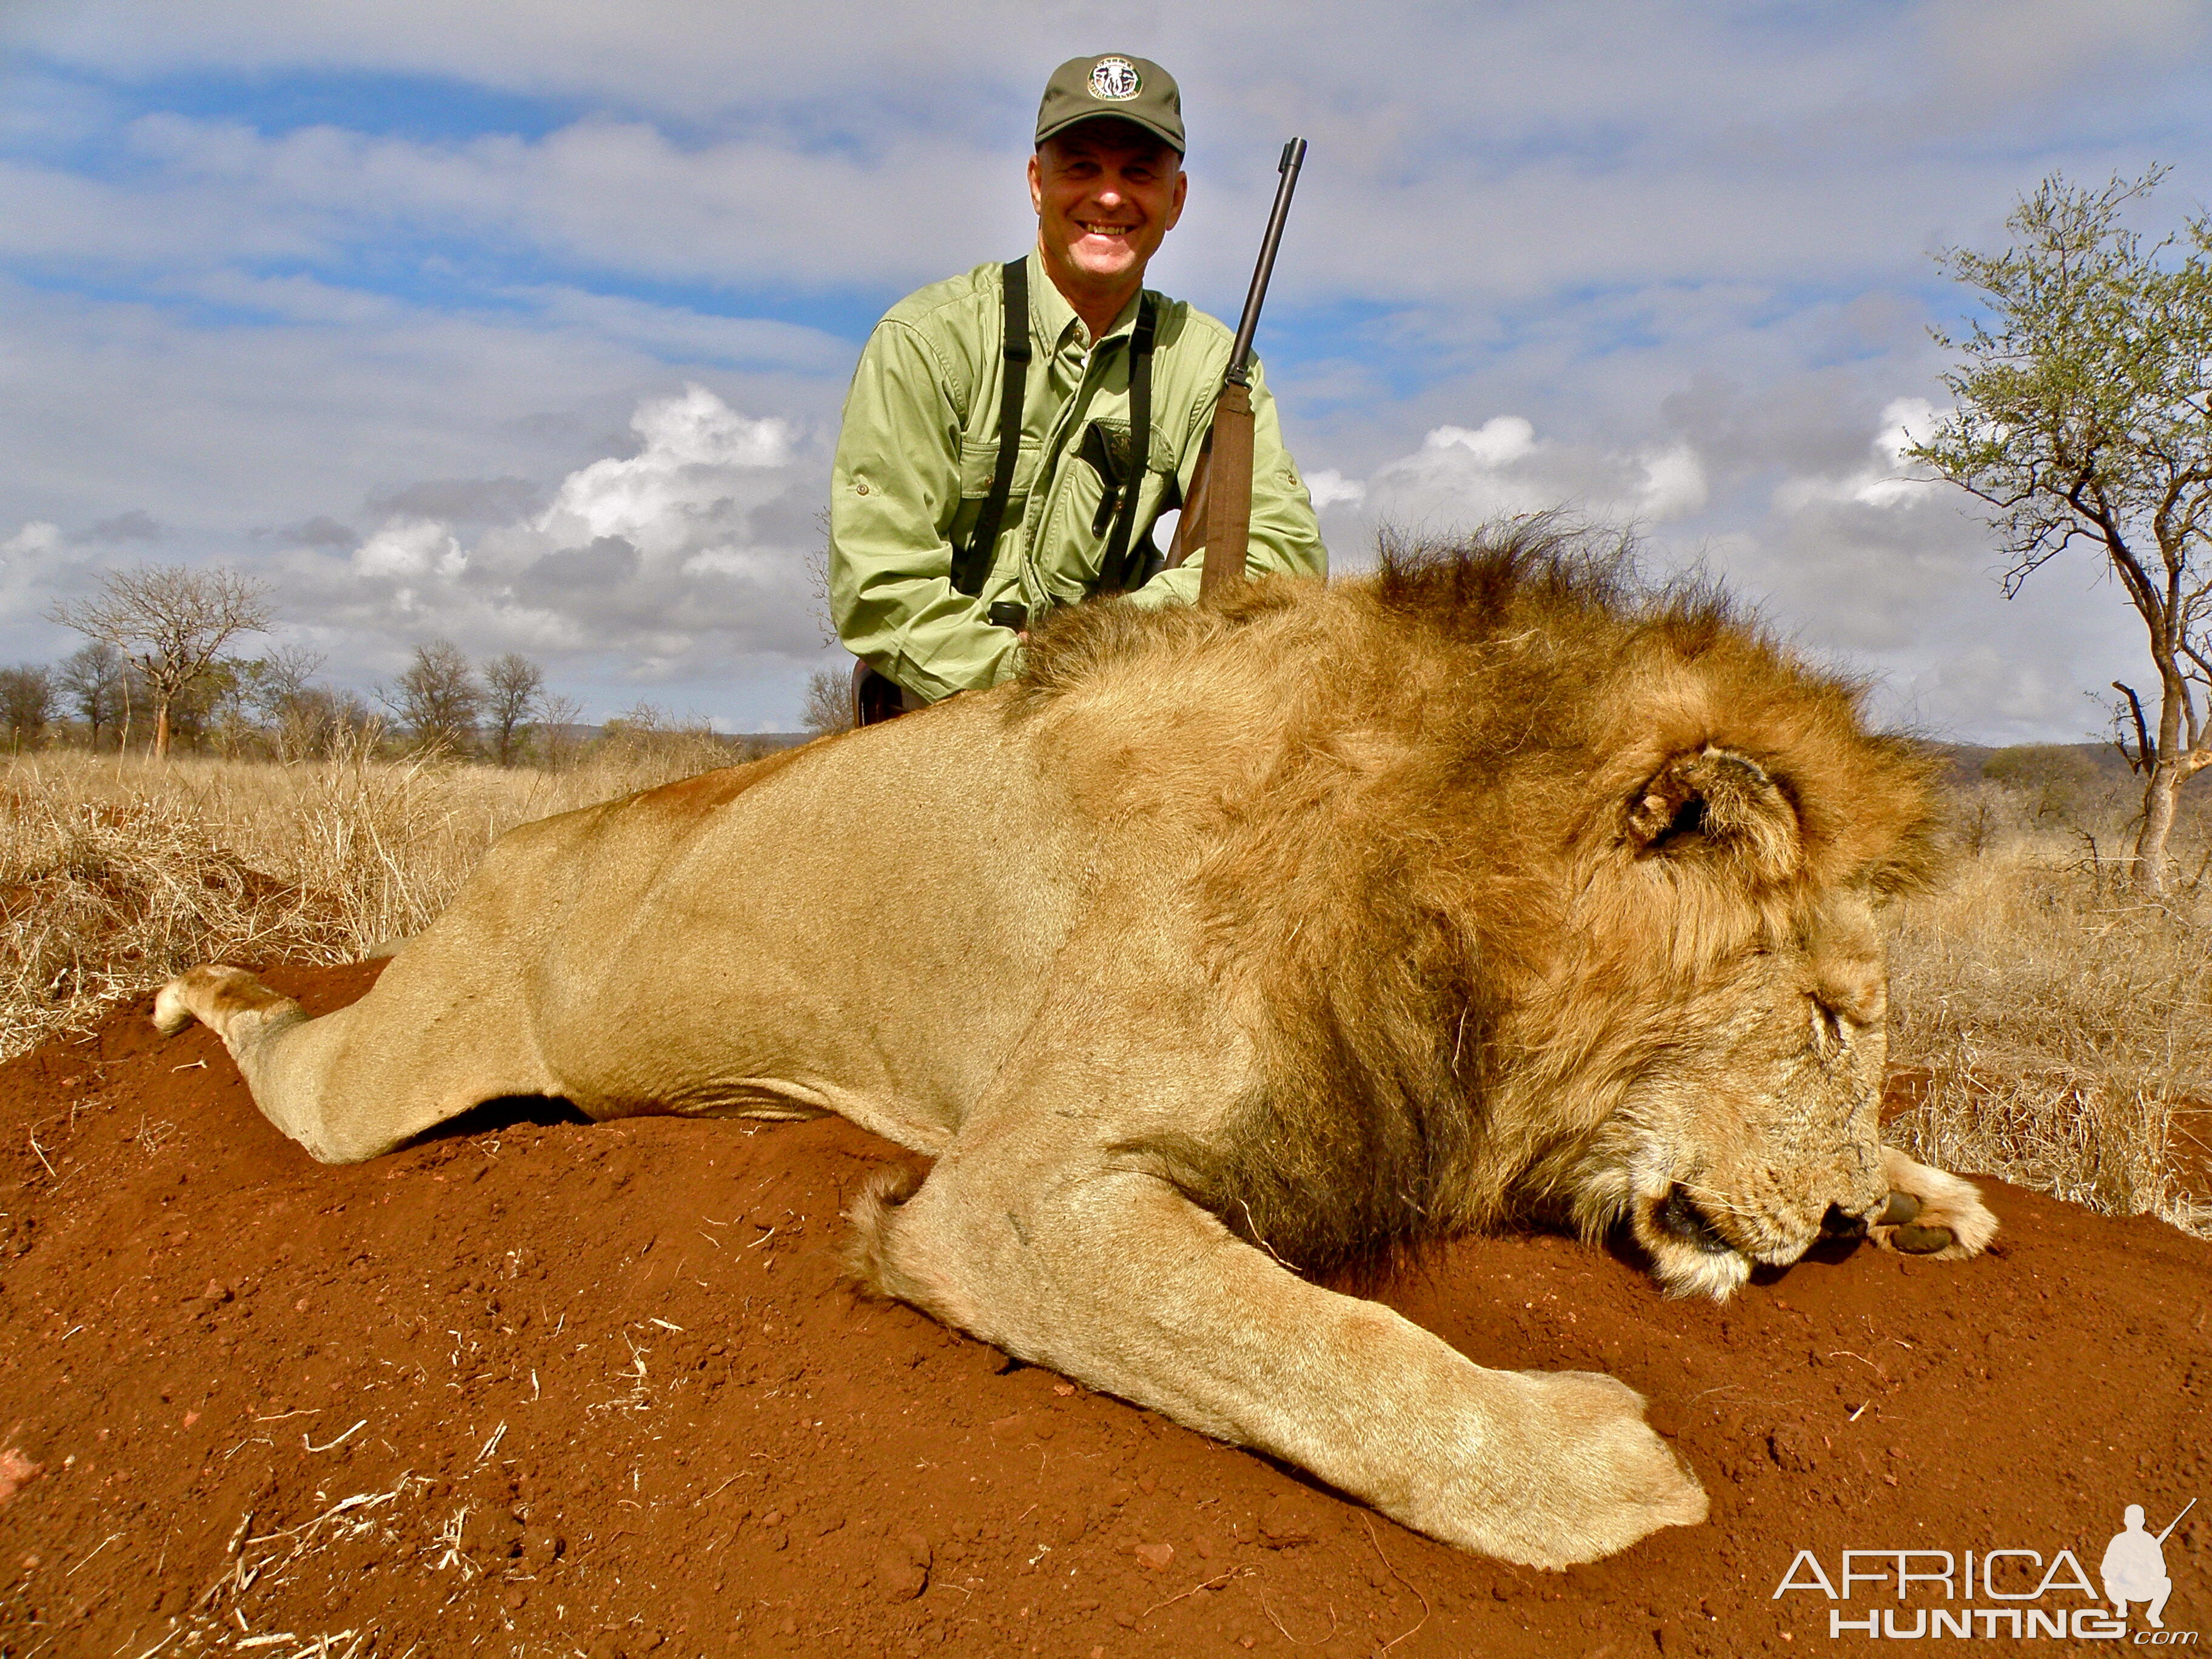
x=1115 y=80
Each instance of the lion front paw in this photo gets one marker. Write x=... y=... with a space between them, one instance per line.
x=1579 y=1476
x=1930 y=1213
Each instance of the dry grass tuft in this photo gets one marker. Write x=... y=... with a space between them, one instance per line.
x=2061 y=1023
x=115 y=875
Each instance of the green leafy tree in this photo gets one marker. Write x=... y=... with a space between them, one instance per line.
x=2083 y=414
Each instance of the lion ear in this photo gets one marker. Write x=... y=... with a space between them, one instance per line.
x=1714 y=801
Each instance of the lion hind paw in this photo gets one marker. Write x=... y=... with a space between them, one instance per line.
x=1931 y=1213
x=866 y=1253
x=217 y=995
x=170 y=1012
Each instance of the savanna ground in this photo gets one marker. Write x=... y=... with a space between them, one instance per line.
x=545 y=1388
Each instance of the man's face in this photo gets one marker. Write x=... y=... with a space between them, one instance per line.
x=1106 y=192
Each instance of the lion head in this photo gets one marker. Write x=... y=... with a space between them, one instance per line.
x=1543 y=896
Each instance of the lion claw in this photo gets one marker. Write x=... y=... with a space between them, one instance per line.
x=1901 y=1208
x=1930 y=1213
x=1922 y=1241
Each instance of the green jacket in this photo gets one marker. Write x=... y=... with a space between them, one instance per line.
x=915 y=455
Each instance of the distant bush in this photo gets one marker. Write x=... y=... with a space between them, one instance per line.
x=2064 y=782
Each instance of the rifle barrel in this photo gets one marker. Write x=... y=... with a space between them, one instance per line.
x=2176 y=1521
x=1294 y=157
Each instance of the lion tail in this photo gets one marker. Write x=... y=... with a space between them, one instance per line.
x=864 y=1252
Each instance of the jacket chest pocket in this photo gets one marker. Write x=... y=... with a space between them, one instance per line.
x=979 y=464
x=1104 y=461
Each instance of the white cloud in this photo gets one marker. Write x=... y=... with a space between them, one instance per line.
x=1462 y=476
x=668 y=564
x=696 y=450
x=679 y=572
x=34 y=538
x=612 y=195
x=1887 y=480
x=410 y=548
x=1498 y=442
x=1329 y=488
x=1673 y=483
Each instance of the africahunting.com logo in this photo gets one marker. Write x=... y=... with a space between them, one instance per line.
x=2000 y=1594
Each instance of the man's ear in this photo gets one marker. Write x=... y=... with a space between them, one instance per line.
x=1036 y=185
x=1181 y=189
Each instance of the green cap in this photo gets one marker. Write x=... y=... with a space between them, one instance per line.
x=1134 y=89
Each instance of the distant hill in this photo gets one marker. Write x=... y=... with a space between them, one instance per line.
x=580 y=733
x=1971 y=763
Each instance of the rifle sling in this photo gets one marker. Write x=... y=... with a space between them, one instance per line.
x=1113 y=576
x=971 y=565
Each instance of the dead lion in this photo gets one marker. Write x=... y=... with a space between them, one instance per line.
x=1233 y=947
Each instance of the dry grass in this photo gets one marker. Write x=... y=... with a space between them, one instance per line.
x=2061 y=1023
x=115 y=875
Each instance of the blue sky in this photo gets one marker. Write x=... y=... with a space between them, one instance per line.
x=408 y=308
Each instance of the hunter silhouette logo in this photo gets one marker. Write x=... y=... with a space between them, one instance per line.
x=2134 y=1568
x=1115 y=80
x=2020 y=1595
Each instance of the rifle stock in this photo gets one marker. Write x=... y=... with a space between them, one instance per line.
x=1190 y=528
x=1216 y=512
x=1229 y=502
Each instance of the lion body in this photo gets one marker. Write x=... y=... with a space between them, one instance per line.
x=1285 y=934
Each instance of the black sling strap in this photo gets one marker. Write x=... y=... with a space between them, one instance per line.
x=1113 y=574
x=971 y=565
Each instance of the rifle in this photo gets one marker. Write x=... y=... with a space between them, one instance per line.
x=2163 y=1537
x=1217 y=515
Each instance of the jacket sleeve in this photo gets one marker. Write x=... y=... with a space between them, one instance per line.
x=894 y=491
x=1286 y=538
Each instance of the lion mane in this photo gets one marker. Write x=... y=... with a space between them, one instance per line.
x=1428 y=992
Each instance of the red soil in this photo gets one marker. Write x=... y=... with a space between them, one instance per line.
x=566 y=1388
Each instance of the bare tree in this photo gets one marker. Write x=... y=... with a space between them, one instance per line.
x=27 y=704
x=558 y=719
x=2083 y=413
x=270 y=684
x=512 y=684
x=829 y=705
x=92 y=684
x=171 y=624
x=817 y=580
x=438 y=698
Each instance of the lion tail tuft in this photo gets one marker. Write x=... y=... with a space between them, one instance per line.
x=864 y=1251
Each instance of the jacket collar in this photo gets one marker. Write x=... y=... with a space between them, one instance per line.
x=1051 y=316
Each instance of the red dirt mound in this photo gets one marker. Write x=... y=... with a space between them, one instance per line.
x=558 y=1388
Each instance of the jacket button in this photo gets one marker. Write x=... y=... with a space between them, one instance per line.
x=859 y=489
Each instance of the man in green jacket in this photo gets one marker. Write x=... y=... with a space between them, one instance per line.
x=941 y=556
